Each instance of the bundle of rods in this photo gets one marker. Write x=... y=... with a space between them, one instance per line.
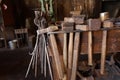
x=40 y=53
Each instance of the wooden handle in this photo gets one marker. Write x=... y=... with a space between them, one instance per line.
x=56 y=56
x=90 y=48
x=70 y=51
x=103 y=53
x=70 y=55
x=75 y=56
x=65 y=50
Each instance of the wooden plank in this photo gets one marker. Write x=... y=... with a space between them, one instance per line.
x=56 y=56
x=75 y=56
x=113 y=40
x=103 y=53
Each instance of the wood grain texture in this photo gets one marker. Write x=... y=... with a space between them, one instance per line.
x=90 y=48
x=75 y=56
x=70 y=50
x=65 y=50
x=70 y=55
x=56 y=56
x=103 y=52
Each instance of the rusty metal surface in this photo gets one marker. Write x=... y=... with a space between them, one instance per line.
x=113 y=41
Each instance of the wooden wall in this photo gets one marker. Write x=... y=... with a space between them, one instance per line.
x=111 y=7
x=63 y=8
x=19 y=10
x=8 y=15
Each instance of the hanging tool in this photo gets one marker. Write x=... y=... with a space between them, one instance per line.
x=93 y=24
x=69 y=26
x=40 y=21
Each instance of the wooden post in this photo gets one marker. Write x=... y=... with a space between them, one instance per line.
x=103 y=54
x=75 y=56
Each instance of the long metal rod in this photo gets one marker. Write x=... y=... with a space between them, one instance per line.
x=29 y=65
x=33 y=55
x=48 y=60
x=45 y=63
x=36 y=63
x=42 y=57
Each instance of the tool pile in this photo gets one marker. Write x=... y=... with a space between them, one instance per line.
x=65 y=66
x=40 y=53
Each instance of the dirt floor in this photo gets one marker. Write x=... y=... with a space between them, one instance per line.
x=14 y=63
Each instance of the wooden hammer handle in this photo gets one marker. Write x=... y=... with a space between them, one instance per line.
x=65 y=50
x=90 y=48
x=70 y=55
x=75 y=56
x=56 y=56
x=70 y=51
x=103 y=54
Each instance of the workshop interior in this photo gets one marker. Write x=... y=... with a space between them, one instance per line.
x=59 y=39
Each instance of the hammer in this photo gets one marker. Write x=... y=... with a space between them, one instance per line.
x=69 y=23
x=93 y=24
x=75 y=54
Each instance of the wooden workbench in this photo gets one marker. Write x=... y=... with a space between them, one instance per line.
x=113 y=40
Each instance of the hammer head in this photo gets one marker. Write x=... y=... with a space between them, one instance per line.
x=81 y=27
x=79 y=19
x=94 y=24
x=68 y=24
x=69 y=19
x=108 y=24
